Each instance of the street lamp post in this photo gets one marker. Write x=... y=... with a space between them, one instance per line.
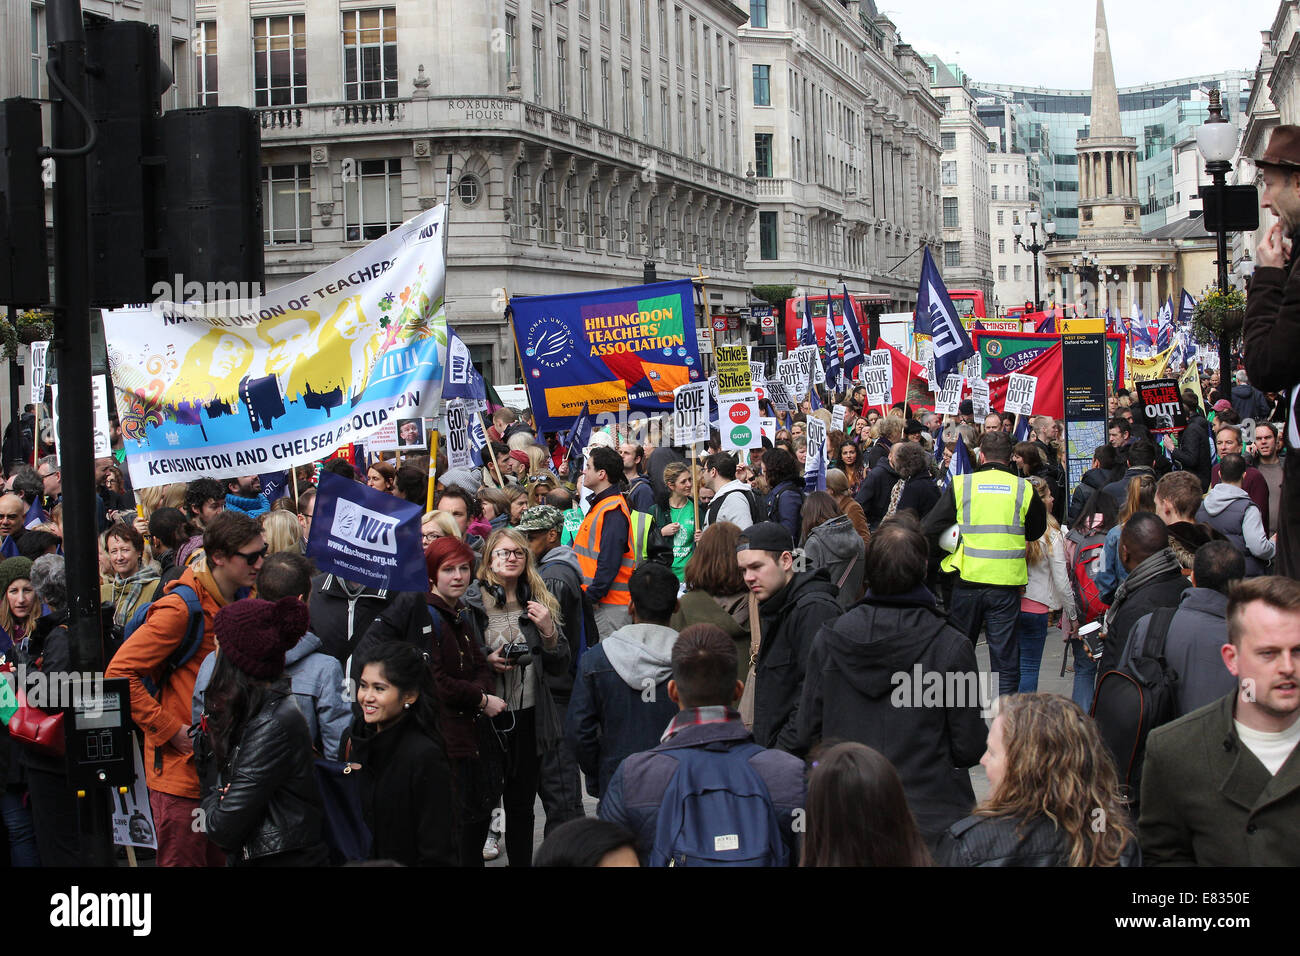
x=1034 y=247
x=1216 y=139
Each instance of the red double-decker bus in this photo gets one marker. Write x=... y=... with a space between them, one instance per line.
x=794 y=314
x=969 y=303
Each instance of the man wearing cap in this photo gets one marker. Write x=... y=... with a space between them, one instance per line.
x=557 y=782
x=1272 y=324
x=793 y=605
x=913 y=431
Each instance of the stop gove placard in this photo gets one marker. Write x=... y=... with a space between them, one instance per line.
x=1020 y=394
x=738 y=422
x=691 y=413
x=1162 y=410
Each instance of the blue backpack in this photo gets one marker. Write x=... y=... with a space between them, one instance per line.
x=717 y=811
x=189 y=644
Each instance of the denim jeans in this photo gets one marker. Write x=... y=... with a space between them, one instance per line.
x=18 y=824
x=1031 y=634
x=1085 y=677
x=996 y=609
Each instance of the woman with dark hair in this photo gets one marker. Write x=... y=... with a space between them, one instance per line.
x=588 y=842
x=858 y=814
x=715 y=589
x=850 y=462
x=521 y=627
x=19 y=613
x=382 y=476
x=785 y=479
x=1051 y=781
x=1029 y=457
x=495 y=507
x=830 y=541
x=260 y=801
x=406 y=786
x=130 y=584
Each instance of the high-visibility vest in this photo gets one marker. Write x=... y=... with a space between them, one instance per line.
x=991 y=509
x=642 y=521
x=586 y=546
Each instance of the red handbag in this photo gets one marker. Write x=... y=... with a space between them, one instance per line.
x=34 y=727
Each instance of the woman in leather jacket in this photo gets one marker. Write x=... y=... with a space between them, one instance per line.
x=1054 y=796
x=260 y=801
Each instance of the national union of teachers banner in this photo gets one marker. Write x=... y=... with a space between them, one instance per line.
x=245 y=387
x=607 y=349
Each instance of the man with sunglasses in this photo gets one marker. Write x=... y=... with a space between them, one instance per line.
x=162 y=686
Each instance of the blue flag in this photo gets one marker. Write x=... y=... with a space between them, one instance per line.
x=1185 y=309
x=275 y=485
x=854 y=349
x=936 y=317
x=367 y=536
x=807 y=331
x=35 y=515
x=10 y=548
x=978 y=326
x=814 y=402
x=1047 y=324
x=1141 y=334
x=1165 y=325
x=960 y=464
x=463 y=379
x=831 y=354
x=576 y=439
x=1022 y=429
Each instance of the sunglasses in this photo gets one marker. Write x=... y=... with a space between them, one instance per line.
x=252 y=557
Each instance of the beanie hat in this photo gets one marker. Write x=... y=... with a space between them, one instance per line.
x=13 y=569
x=255 y=634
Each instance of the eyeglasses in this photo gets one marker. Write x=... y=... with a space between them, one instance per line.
x=539 y=478
x=508 y=553
x=252 y=557
x=430 y=536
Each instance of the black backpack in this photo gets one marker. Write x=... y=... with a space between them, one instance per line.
x=1133 y=700
x=757 y=505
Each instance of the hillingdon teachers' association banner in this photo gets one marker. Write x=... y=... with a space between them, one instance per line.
x=243 y=387
x=606 y=349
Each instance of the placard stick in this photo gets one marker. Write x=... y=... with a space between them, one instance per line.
x=294 y=471
x=433 y=468
x=695 y=482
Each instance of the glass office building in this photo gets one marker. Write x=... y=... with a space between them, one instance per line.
x=1158 y=115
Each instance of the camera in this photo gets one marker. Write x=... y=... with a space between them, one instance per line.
x=516 y=652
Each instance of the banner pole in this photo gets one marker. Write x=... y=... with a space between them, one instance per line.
x=433 y=469
x=695 y=482
x=36 y=436
x=293 y=470
x=501 y=482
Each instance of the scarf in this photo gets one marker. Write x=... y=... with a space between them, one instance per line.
x=127 y=591
x=1162 y=562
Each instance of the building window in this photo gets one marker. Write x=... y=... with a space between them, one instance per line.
x=370 y=54
x=627 y=101
x=949 y=172
x=680 y=36
x=695 y=50
x=950 y=217
x=762 y=85
x=763 y=154
x=1002 y=273
x=948 y=140
x=539 y=70
x=584 y=82
x=604 y=93
x=512 y=43
x=1000 y=217
x=645 y=24
x=951 y=254
x=1002 y=245
x=681 y=122
x=645 y=107
x=372 y=203
x=468 y=190
x=993 y=193
x=279 y=61
x=519 y=211
x=665 y=118
x=767 y=246
x=663 y=28
x=286 y=204
x=604 y=13
x=758 y=18
x=562 y=74
x=205 y=62
x=943 y=102
x=625 y=19
x=1017 y=273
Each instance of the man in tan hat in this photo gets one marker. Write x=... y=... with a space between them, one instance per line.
x=1272 y=325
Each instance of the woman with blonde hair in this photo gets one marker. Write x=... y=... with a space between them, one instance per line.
x=283 y=532
x=539 y=463
x=1054 y=796
x=438 y=524
x=539 y=486
x=520 y=623
x=1048 y=590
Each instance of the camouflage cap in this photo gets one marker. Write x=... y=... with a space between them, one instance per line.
x=541 y=518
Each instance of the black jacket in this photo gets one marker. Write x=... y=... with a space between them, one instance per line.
x=331 y=599
x=1193 y=451
x=1165 y=590
x=862 y=684
x=1012 y=841
x=1118 y=490
x=1093 y=481
x=406 y=794
x=788 y=619
x=271 y=809
x=879 y=450
x=873 y=495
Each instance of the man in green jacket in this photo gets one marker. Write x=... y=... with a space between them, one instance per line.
x=1221 y=786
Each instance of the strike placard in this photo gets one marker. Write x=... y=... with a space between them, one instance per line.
x=949 y=400
x=733 y=369
x=457 y=435
x=1020 y=394
x=690 y=413
x=979 y=397
x=878 y=377
x=1162 y=411
x=738 y=422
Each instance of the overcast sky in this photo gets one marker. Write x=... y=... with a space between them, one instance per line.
x=1049 y=42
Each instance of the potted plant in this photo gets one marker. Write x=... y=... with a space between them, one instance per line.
x=1218 y=316
x=31 y=326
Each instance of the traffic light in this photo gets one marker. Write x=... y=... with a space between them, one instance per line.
x=213 y=218
x=24 y=268
x=125 y=79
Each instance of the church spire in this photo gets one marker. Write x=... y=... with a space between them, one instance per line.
x=1105 y=99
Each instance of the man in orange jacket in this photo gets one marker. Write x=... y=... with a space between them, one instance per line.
x=234 y=548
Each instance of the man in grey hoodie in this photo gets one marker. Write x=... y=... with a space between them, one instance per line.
x=316 y=678
x=1228 y=509
x=620 y=702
